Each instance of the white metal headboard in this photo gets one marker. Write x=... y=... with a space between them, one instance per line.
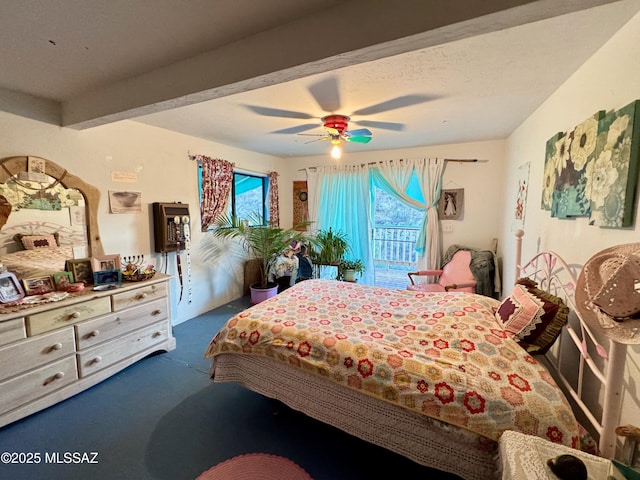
x=555 y=276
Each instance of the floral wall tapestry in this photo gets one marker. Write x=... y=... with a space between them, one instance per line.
x=592 y=171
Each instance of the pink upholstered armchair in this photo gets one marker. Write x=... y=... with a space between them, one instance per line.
x=455 y=276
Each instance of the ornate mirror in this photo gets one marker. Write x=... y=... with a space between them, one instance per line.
x=38 y=196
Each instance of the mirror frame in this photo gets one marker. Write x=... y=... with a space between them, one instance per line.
x=13 y=165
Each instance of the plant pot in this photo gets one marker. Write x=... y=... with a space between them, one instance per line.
x=259 y=294
x=349 y=275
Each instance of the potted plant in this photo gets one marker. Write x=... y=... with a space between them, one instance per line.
x=261 y=240
x=329 y=249
x=348 y=269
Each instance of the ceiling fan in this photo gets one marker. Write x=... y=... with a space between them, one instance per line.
x=336 y=125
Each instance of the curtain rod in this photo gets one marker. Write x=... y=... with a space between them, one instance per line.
x=238 y=169
x=460 y=160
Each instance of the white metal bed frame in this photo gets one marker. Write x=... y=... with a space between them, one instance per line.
x=555 y=276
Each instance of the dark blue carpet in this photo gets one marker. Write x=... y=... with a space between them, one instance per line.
x=163 y=418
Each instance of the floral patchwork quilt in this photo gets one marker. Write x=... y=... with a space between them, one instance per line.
x=443 y=355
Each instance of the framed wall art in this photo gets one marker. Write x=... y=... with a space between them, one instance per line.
x=10 y=288
x=300 y=204
x=451 y=203
x=592 y=171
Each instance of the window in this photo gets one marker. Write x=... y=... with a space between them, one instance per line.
x=249 y=196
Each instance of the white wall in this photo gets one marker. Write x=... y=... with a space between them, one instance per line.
x=165 y=174
x=609 y=80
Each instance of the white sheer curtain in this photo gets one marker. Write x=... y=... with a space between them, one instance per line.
x=429 y=175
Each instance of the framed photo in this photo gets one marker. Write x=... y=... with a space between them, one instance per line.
x=62 y=280
x=81 y=270
x=106 y=262
x=38 y=285
x=36 y=165
x=10 y=288
x=107 y=278
x=451 y=204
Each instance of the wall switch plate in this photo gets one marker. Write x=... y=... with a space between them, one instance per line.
x=447 y=227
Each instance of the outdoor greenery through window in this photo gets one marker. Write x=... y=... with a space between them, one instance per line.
x=249 y=196
x=396 y=227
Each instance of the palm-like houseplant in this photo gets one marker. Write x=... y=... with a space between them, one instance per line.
x=329 y=248
x=262 y=240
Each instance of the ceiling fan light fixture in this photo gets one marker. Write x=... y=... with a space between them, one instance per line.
x=336 y=151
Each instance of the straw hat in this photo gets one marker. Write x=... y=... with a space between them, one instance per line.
x=608 y=293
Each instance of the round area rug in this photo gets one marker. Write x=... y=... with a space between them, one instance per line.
x=256 y=466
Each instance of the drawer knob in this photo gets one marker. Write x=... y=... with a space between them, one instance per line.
x=156 y=334
x=94 y=333
x=143 y=296
x=59 y=375
x=56 y=346
x=75 y=315
x=97 y=359
x=155 y=313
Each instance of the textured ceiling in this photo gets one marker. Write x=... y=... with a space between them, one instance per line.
x=256 y=75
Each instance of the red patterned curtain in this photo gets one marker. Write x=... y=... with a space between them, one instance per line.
x=274 y=199
x=217 y=178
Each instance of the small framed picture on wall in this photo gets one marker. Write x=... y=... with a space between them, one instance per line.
x=451 y=204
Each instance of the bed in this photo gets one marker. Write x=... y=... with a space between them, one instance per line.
x=432 y=376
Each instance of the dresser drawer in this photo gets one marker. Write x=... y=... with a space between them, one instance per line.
x=33 y=352
x=60 y=317
x=138 y=296
x=106 y=354
x=37 y=383
x=92 y=332
x=12 y=330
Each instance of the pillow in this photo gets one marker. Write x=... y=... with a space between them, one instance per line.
x=30 y=242
x=532 y=317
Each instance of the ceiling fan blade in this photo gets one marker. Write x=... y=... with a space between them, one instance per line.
x=324 y=137
x=360 y=132
x=396 y=127
x=276 y=112
x=332 y=131
x=326 y=94
x=298 y=129
x=394 y=103
x=358 y=139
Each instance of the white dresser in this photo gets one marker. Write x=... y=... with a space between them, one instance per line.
x=52 y=351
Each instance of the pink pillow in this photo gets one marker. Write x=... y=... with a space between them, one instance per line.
x=532 y=317
x=31 y=242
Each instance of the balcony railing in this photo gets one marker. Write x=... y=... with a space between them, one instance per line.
x=394 y=255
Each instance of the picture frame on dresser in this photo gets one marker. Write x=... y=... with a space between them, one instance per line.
x=10 y=288
x=61 y=280
x=38 y=285
x=106 y=263
x=107 y=278
x=81 y=270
